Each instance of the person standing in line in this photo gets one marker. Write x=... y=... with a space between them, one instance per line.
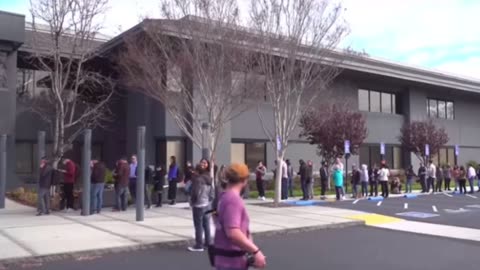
x=260 y=172
x=290 y=177
x=462 y=180
x=456 y=176
x=410 y=174
x=172 y=180
x=303 y=178
x=355 y=181
x=338 y=180
x=422 y=174
x=447 y=174
x=159 y=182
x=69 y=177
x=364 y=180
x=200 y=200
x=232 y=233
x=431 y=176
x=383 y=175
x=323 y=180
x=44 y=184
x=122 y=177
x=149 y=173
x=440 y=176
x=284 y=173
x=132 y=182
x=471 y=177
x=373 y=181
x=478 y=177
x=99 y=170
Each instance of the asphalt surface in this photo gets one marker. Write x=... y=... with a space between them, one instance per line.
x=350 y=248
x=447 y=209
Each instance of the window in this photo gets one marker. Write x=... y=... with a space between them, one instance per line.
x=440 y=109
x=168 y=148
x=446 y=155
x=363 y=100
x=370 y=155
x=375 y=101
x=248 y=153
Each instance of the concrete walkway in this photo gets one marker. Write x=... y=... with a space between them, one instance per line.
x=23 y=235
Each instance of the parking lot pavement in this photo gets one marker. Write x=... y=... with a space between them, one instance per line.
x=441 y=208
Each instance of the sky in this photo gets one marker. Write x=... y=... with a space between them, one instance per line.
x=436 y=34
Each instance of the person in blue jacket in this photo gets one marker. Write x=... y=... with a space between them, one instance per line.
x=338 y=179
x=173 y=173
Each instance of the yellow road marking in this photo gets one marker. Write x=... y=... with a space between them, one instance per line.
x=375 y=219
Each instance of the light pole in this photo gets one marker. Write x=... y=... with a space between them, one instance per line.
x=3 y=169
x=140 y=174
x=86 y=171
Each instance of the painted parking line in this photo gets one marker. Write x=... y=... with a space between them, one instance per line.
x=379 y=203
x=471 y=196
x=405 y=206
x=355 y=202
x=434 y=208
x=448 y=195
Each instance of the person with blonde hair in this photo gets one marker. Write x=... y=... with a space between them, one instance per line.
x=233 y=247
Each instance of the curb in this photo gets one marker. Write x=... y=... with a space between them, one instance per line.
x=92 y=254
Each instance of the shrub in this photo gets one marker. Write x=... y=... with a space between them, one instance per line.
x=472 y=163
x=109 y=177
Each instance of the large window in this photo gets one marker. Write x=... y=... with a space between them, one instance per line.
x=248 y=153
x=168 y=148
x=370 y=155
x=440 y=109
x=376 y=101
x=26 y=156
x=446 y=155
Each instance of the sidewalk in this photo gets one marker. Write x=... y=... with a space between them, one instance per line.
x=23 y=235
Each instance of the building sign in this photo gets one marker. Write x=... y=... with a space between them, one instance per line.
x=382 y=148
x=457 y=150
x=347 y=147
x=279 y=144
x=417 y=215
x=427 y=150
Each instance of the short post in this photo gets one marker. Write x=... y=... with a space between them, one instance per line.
x=347 y=156
x=86 y=159
x=205 y=139
x=3 y=169
x=140 y=203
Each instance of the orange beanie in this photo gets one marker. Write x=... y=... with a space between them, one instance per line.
x=239 y=169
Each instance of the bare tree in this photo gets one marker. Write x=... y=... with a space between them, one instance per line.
x=192 y=63
x=414 y=136
x=63 y=43
x=296 y=38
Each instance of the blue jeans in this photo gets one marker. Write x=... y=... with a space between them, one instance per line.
x=470 y=182
x=122 y=198
x=364 y=189
x=202 y=226
x=44 y=200
x=408 y=185
x=284 y=188
x=96 y=197
x=354 y=190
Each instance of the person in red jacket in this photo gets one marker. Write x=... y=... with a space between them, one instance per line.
x=69 y=177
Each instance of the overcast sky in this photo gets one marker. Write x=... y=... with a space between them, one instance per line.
x=438 y=34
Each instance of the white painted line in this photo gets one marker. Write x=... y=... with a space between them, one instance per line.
x=379 y=203
x=355 y=202
x=434 y=208
x=448 y=195
x=471 y=196
x=405 y=206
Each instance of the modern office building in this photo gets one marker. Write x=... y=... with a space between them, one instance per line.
x=389 y=94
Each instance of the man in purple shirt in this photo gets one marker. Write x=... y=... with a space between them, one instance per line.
x=232 y=225
x=132 y=185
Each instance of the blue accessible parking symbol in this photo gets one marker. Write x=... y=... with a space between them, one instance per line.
x=417 y=215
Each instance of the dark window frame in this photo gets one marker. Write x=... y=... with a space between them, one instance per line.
x=373 y=149
x=393 y=100
x=445 y=113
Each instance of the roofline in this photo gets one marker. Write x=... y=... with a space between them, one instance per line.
x=362 y=63
x=12 y=13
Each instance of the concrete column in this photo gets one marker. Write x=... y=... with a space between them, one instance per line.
x=86 y=159
x=140 y=203
x=3 y=169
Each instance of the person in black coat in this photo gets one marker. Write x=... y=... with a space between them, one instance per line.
x=149 y=172
x=159 y=182
x=44 y=183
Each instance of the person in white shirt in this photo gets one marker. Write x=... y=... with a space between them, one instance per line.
x=284 y=173
x=383 y=175
x=431 y=176
x=471 y=177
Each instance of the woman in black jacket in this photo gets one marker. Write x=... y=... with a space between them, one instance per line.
x=159 y=182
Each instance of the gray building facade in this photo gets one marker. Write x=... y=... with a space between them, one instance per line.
x=388 y=94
